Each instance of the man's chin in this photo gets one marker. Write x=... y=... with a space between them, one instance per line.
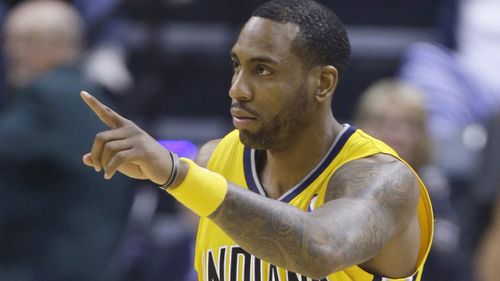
x=245 y=136
x=253 y=140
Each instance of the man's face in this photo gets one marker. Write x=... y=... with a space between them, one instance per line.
x=27 y=53
x=270 y=91
x=398 y=124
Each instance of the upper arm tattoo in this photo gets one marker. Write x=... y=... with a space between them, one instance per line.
x=379 y=198
x=366 y=203
x=390 y=184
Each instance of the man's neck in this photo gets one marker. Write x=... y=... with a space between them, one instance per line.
x=283 y=169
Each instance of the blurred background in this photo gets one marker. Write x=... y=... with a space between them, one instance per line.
x=165 y=65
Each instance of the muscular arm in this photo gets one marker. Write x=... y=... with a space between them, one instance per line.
x=370 y=206
x=369 y=202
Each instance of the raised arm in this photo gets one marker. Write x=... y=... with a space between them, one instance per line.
x=368 y=218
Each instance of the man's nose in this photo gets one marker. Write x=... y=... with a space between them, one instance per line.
x=240 y=87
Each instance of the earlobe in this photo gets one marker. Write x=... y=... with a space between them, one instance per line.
x=321 y=94
x=327 y=83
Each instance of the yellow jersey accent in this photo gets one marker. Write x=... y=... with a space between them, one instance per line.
x=219 y=258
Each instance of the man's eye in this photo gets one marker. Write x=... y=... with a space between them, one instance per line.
x=236 y=65
x=262 y=70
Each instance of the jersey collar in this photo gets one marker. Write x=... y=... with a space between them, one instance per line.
x=250 y=157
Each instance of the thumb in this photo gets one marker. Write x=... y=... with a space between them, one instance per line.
x=87 y=160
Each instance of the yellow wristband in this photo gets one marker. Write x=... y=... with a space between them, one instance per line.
x=202 y=190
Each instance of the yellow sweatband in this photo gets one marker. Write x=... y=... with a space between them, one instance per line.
x=202 y=190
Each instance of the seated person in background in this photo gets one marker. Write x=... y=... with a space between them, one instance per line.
x=394 y=111
x=461 y=89
x=487 y=194
x=488 y=255
x=58 y=221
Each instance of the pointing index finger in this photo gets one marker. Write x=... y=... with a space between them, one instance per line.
x=106 y=114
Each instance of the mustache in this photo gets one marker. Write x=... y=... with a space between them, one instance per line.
x=244 y=107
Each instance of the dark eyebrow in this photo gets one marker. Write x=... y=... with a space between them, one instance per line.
x=264 y=59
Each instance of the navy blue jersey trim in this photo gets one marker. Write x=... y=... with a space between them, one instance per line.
x=252 y=185
x=247 y=164
x=335 y=151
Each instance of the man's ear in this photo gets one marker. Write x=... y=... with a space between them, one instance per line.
x=326 y=83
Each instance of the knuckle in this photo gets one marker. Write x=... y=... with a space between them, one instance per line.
x=120 y=156
x=129 y=128
x=110 y=146
x=128 y=122
x=100 y=137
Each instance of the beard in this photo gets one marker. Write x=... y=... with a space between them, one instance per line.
x=287 y=122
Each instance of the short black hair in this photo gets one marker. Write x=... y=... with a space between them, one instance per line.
x=322 y=39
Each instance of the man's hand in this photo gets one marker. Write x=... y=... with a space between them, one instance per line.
x=125 y=148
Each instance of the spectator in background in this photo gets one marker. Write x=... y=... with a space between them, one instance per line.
x=488 y=256
x=58 y=221
x=3 y=9
x=460 y=86
x=462 y=92
x=487 y=189
x=394 y=112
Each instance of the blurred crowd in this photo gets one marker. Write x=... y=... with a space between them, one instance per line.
x=423 y=77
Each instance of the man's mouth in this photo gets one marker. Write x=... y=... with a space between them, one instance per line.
x=242 y=119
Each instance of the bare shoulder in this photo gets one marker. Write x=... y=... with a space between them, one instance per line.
x=206 y=152
x=382 y=179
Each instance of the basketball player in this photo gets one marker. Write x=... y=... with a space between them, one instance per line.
x=291 y=194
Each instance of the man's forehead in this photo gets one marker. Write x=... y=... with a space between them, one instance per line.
x=266 y=36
